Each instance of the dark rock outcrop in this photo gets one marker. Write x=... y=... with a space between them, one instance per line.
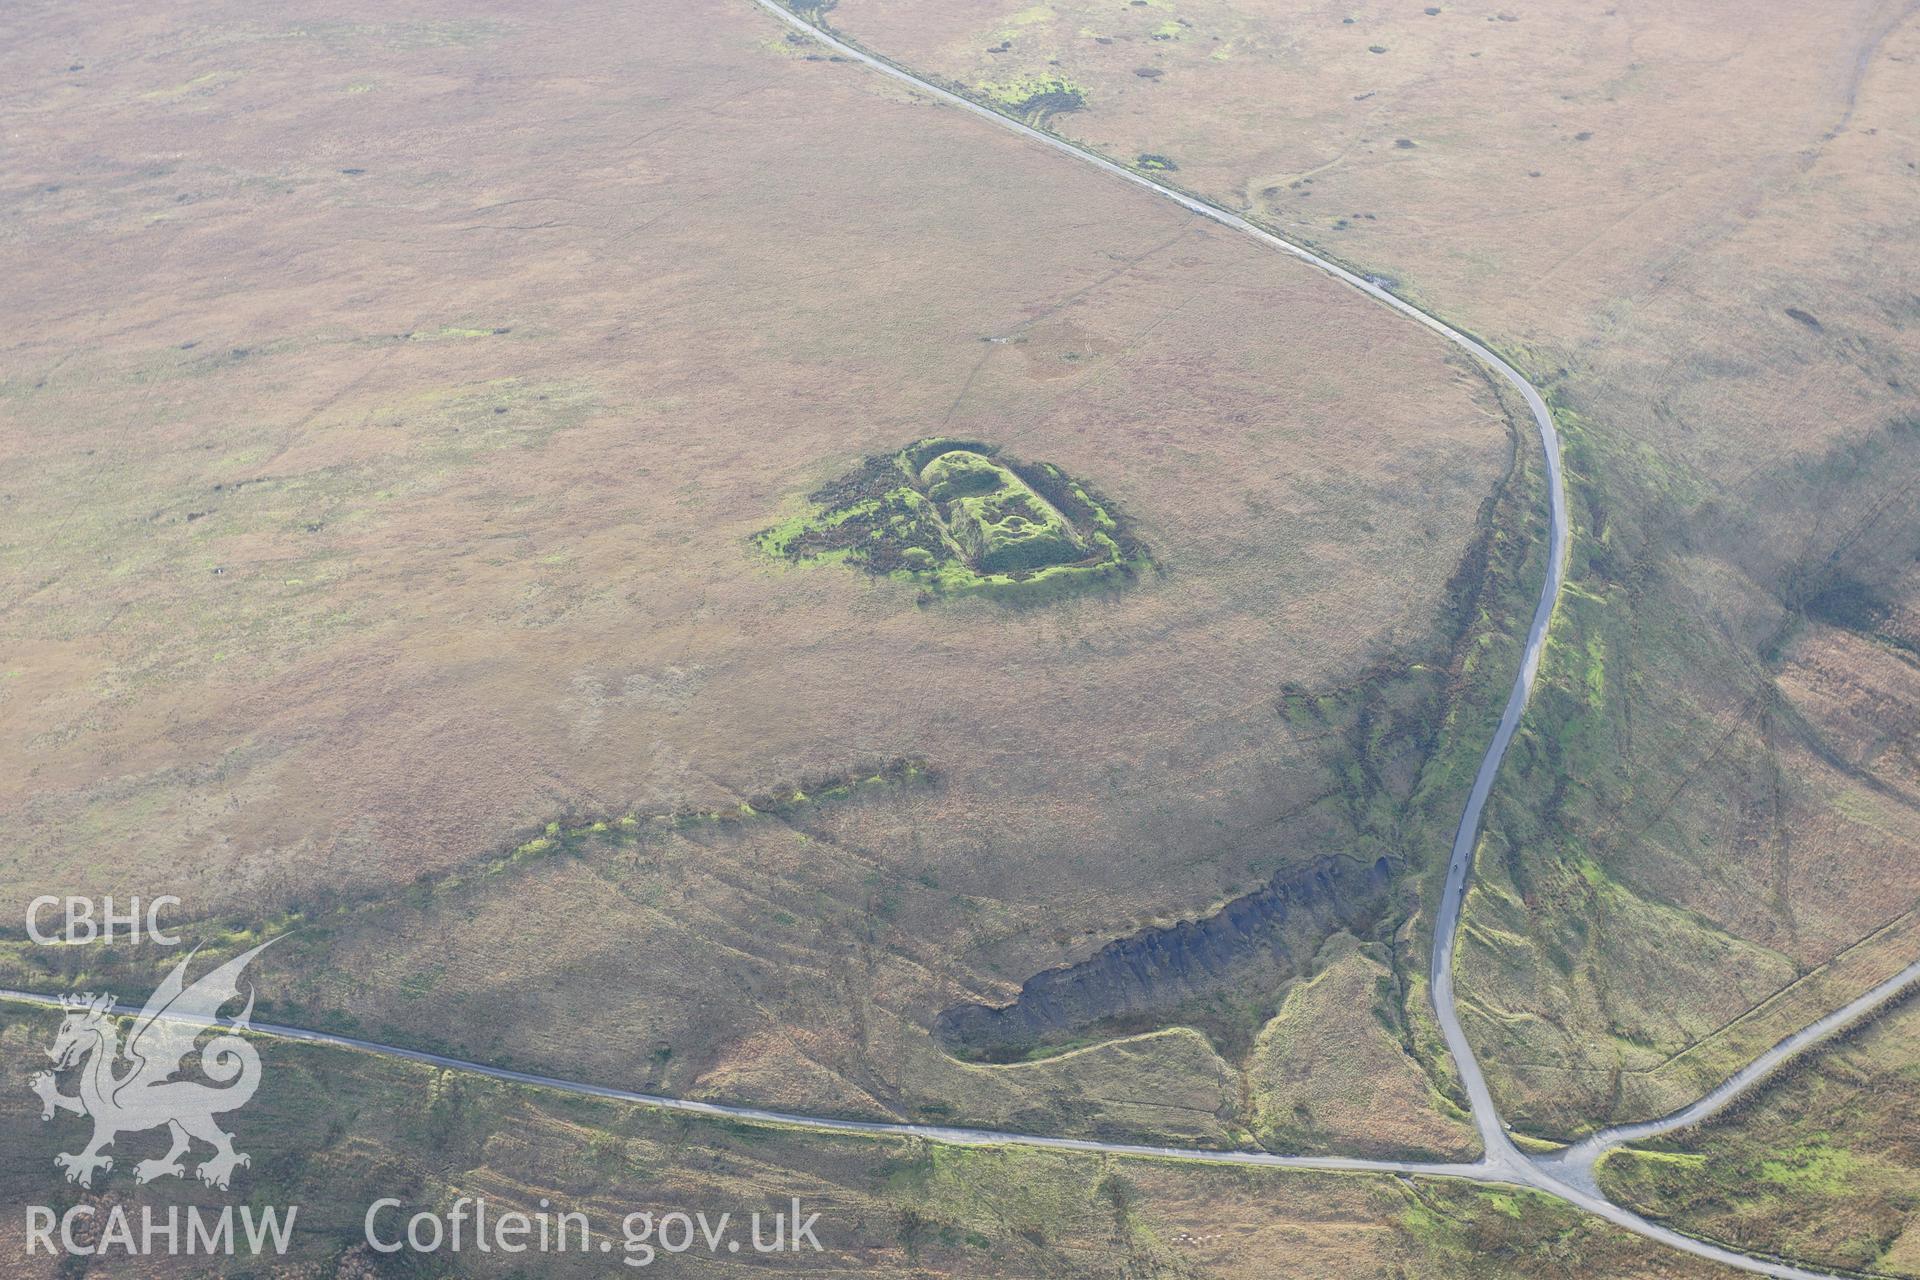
x=1254 y=942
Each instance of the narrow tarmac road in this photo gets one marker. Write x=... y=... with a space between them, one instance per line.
x=1567 y=1175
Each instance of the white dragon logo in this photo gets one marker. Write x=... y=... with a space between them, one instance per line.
x=145 y=1096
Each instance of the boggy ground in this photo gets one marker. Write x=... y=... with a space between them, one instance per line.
x=395 y=395
x=1692 y=224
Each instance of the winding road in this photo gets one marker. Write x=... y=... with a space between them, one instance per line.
x=1504 y=1164
x=1569 y=1174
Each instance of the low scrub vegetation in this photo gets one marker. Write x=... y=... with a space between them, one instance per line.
x=958 y=517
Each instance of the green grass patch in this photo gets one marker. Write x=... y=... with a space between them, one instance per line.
x=959 y=517
x=1034 y=99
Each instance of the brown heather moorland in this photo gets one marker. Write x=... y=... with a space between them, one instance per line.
x=392 y=399
x=1693 y=224
x=393 y=395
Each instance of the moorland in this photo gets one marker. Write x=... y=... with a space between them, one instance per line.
x=1680 y=226
x=401 y=518
x=389 y=568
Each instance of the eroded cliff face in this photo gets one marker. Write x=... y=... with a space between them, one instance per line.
x=1254 y=943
